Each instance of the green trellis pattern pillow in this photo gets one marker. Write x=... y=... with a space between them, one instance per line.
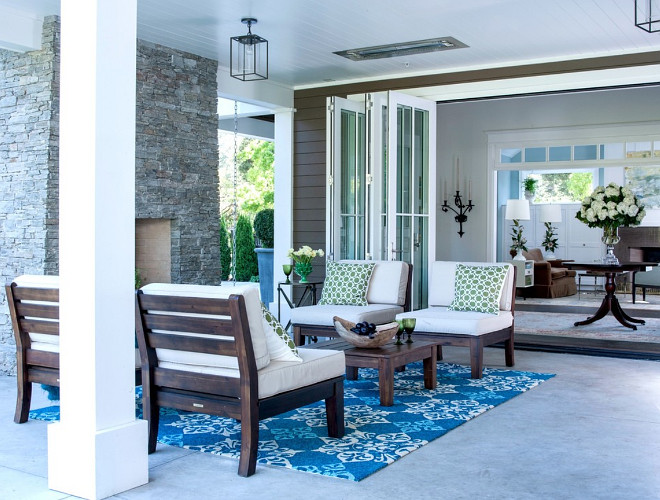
x=478 y=288
x=280 y=344
x=346 y=283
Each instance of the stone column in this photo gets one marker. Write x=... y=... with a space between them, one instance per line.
x=98 y=448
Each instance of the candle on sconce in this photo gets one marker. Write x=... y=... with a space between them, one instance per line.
x=469 y=189
x=444 y=183
x=458 y=175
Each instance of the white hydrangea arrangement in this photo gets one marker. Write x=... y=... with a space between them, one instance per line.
x=304 y=254
x=611 y=206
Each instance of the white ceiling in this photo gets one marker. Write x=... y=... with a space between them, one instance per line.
x=303 y=34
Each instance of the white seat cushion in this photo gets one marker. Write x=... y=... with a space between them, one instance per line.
x=254 y=314
x=282 y=376
x=441 y=320
x=321 y=315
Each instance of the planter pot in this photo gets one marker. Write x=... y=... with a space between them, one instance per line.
x=265 y=262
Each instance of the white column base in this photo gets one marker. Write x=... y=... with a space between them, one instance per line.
x=99 y=465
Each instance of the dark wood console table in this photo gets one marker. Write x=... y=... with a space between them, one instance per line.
x=610 y=301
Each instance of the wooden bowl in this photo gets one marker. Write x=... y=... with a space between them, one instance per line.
x=384 y=333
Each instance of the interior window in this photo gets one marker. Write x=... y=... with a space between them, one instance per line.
x=567 y=186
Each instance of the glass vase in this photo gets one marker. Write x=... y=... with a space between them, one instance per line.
x=610 y=238
x=303 y=269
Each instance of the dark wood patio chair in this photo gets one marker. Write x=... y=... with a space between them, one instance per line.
x=219 y=326
x=35 y=311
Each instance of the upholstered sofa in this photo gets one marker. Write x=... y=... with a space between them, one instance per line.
x=456 y=316
x=549 y=281
x=387 y=294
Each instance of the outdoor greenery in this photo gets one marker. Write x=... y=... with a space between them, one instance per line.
x=256 y=174
x=567 y=187
x=225 y=249
x=246 y=258
x=264 y=229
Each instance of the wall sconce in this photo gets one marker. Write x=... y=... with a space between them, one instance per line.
x=461 y=209
x=647 y=15
x=248 y=54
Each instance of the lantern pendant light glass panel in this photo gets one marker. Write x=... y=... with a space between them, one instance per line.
x=249 y=57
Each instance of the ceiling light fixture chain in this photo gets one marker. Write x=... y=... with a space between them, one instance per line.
x=235 y=203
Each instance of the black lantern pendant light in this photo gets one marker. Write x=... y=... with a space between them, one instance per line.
x=647 y=15
x=249 y=55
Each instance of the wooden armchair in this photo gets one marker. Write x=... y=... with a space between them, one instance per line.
x=35 y=311
x=198 y=354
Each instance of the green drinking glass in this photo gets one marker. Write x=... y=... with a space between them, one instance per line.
x=409 y=326
x=288 y=269
x=399 y=332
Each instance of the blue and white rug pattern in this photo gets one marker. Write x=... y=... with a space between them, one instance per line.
x=375 y=436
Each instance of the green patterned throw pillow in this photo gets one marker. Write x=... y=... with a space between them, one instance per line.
x=346 y=283
x=478 y=288
x=280 y=345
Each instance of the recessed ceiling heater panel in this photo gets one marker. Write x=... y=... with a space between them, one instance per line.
x=402 y=49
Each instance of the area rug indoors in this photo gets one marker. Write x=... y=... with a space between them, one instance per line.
x=375 y=435
x=607 y=328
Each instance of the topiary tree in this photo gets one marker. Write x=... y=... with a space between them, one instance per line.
x=246 y=259
x=225 y=250
x=264 y=227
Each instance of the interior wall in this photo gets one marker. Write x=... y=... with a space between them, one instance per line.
x=463 y=132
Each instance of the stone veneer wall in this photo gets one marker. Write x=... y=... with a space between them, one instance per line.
x=176 y=162
x=177 y=156
x=29 y=136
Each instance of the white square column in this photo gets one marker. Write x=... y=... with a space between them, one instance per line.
x=98 y=448
x=283 y=205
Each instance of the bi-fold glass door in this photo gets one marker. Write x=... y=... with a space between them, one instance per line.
x=381 y=182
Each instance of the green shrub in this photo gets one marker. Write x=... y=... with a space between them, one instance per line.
x=264 y=227
x=225 y=250
x=246 y=258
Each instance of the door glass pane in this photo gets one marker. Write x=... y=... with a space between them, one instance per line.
x=638 y=149
x=612 y=151
x=404 y=158
x=560 y=153
x=421 y=158
x=587 y=152
x=384 y=180
x=534 y=155
x=353 y=186
x=420 y=263
x=404 y=238
x=348 y=238
x=511 y=155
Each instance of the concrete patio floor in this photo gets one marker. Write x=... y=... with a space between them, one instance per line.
x=591 y=432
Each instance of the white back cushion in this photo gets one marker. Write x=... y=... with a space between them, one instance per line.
x=442 y=282
x=252 y=305
x=388 y=282
x=38 y=281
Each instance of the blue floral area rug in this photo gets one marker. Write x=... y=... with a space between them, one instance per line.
x=376 y=436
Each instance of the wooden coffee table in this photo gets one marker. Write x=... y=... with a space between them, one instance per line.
x=385 y=359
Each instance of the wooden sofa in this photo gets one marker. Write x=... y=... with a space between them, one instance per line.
x=207 y=349
x=388 y=294
x=465 y=328
x=550 y=281
x=34 y=309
